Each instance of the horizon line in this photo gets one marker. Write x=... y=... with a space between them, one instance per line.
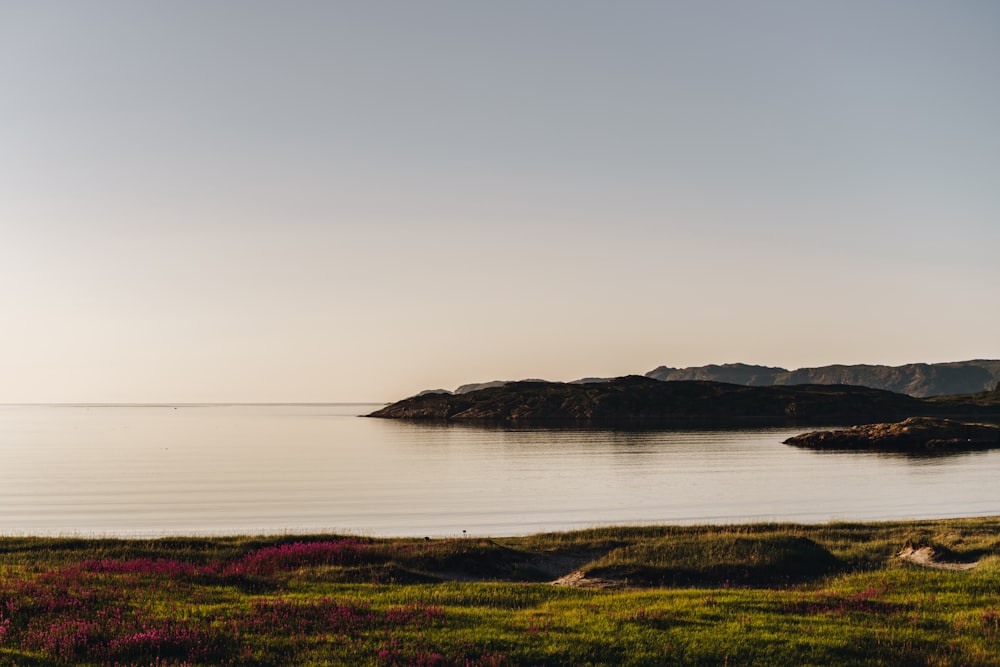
x=186 y=404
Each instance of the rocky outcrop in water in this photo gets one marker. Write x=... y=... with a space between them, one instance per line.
x=916 y=434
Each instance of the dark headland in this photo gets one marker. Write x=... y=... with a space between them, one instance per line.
x=642 y=401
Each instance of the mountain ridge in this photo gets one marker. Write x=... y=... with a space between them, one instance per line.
x=921 y=380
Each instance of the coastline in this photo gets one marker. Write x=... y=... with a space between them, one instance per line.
x=612 y=537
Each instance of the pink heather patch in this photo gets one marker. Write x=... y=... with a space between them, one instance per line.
x=269 y=560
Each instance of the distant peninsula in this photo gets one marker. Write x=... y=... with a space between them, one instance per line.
x=639 y=400
x=918 y=379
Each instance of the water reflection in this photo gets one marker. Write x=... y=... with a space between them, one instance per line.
x=230 y=469
x=928 y=458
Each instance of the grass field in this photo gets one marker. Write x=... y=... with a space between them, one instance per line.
x=768 y=594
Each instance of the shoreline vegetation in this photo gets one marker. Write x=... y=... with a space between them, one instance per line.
x=644 y=402
x=886 y=593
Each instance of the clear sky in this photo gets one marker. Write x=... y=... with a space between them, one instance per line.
x=340 y=201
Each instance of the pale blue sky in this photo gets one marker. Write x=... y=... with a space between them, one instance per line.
x=333 y=201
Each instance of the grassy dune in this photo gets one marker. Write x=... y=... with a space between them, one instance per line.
x=748 y=594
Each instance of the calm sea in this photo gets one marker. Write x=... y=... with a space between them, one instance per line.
x=153 y=470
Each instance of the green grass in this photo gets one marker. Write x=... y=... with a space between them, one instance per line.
x=764 y=594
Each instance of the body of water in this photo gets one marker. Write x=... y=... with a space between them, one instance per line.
x=154 y=470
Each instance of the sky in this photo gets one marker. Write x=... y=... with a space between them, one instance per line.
x=353 y=201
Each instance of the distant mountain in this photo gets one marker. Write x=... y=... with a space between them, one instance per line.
x=920 y=380
x=476 y=386
x=752 y=376
x=637 y=400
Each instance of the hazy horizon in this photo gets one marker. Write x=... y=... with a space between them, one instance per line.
x=379 y=401
x=246 y=202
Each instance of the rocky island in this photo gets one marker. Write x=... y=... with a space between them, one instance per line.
x=637 y=400
x=916 y=434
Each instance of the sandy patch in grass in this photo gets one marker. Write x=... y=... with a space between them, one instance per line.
x=927 y=557
x=578 y=579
